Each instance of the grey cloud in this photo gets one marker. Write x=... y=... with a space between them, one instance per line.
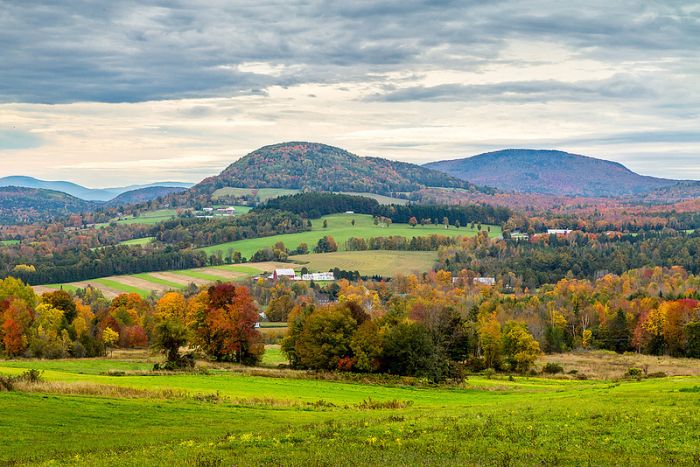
x=136 y=50
x=617 y=87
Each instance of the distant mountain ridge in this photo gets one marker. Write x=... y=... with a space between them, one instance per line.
x=21 y=204
x=143 y=195
x=319 y=167
x=550 y=172
x=79 y=191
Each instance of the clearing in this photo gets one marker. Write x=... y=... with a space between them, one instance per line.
x=370 y=263
x=340 y=227
x=116 y=412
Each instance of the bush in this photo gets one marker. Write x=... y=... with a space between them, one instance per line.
x=634 y=373
x=552 y=368
x=7 y=383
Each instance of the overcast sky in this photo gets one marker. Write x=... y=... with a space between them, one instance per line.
x=112 y=93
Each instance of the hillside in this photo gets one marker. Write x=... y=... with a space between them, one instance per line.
x=143 y=195
x=79 y=191
x=550 y=172
x=22 y=205
x=319 y=167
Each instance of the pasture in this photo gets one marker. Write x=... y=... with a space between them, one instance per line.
x=261 y=194
x=340 y=227
x=370 y=263
x=145 y=284
x=116 y=412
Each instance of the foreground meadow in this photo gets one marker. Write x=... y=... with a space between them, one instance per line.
x=116 y=412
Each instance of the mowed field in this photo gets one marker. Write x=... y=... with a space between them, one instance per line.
x=146 y=283
x=85 y=414
x=370 y=263
x=263 y=194
x=340 y=227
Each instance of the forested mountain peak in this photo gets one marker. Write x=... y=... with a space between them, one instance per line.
x=315 y=166
x=550 y=172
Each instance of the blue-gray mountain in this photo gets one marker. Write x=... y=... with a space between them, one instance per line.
x=550 y=172
x=79 y=191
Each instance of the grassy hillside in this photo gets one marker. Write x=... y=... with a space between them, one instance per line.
x=81 y=415
x=301 y=165
x=341 y=229
x=159 y=282
x=370 y=263
x=549 y=172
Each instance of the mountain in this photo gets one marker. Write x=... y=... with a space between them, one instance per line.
x=79 y=191
x=23 y=205
x=143 y=195
x=318 y=167
x=550 y=172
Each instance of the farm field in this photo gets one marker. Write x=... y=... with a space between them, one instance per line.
x=341 y=229
x=263 y=194
x=282 y=417
x=9 y=242
x=146 y=283
x=369 y=263
x=138 y=241
x=381 y=199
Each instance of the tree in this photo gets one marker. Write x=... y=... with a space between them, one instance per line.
x=110 y=337
x=171 y=306
x=61 y=300
x=325 y=223
x=491 y=340
x=279 y=308
x=367 y=345
x=409 y=350
x=170 y=335
x=326 y=244
x=413 y=221
x=520 y=349
x=325 y=338
x=352 y=222
x=225 y=329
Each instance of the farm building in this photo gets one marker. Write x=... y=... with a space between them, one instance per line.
x=490 y=281
x=280 y=273
x=559 y=231
x=318 y=276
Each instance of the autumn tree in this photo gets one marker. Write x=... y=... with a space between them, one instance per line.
x=225 y=329
x=520 y=349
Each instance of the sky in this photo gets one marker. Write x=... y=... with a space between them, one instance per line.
x=108 y=93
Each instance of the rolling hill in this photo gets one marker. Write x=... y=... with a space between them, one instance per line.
x=143 y=195
x=79 y=191
x=313 y=166
x=550 y=172
x=21 y=205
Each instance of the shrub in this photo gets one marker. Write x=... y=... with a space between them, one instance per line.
x=552 y=368
x=635 y=372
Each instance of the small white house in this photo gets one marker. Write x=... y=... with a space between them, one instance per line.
x=489 y=281
x=559 y=231
x=318 y=276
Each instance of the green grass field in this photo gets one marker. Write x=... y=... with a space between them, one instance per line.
x=9 y=242
x=370 y=263
x=121 y=287
x=263 y=194
x=138 y=241
x=380 y=198
x=146 y=283
x=266 y=417
x=340 y=227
